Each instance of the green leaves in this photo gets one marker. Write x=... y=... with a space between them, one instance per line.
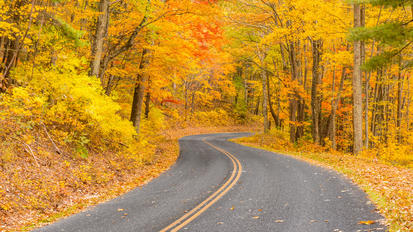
x=391 y=34
x=70 y=33
x=392 y=38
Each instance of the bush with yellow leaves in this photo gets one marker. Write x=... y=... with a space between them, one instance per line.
x=216 y=117
x=73 y=104
x=62 y=138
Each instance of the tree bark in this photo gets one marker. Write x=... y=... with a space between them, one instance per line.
x=99 y=38
x=147 y=104
x=357 y=86
x=139 y=93
x=296 y=102
x=265 y=100
x=399 y=103
x=334 y=106
x=257 y=106
x=273 y=114
x=315 y=91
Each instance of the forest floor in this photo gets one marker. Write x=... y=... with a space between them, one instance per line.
x=388 y=186
x=89 y=192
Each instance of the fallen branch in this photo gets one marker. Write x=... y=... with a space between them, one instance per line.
x=51 y=140
x=30 y=151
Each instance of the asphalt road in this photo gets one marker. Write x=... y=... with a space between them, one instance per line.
x=218 y=185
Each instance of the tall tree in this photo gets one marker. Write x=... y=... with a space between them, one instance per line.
x=315 y=91
x=357 y=83
x=99 y=37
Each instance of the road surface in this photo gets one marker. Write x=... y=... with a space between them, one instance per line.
x=217 y=185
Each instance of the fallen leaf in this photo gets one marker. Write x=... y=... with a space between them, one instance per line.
x=220 y=223
x=279 y=221
x=313 y=221
x=260 y=210
x=256 y=217
x=367 y=222
x=120 y=210
x=232 y=208
x=125 y=214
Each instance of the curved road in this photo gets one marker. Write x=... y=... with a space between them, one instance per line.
x=218 y=185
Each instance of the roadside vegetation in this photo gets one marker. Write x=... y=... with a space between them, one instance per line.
x=94 y=94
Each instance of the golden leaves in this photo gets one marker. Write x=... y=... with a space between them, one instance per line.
x=366 y=222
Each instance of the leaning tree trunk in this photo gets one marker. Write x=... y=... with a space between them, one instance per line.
x=139 y=93
x=357 y=85
x=100 y=34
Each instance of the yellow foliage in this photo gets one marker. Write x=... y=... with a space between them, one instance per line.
x=73 y=103
x=217 y=117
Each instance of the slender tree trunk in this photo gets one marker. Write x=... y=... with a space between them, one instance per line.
x=366 y=112
x=245 y=92
x=147 y=103
x=186 y=84
x=315 y=92
x=399 y=103
x=357 y=86
x=192 y=104
x=109 y=84
x=273 y=114
x=264 y=100
x=257 y=106
x=293 y=117
x=408 y=104
x=292 y=96
x=99 y=37
x=139 y=93
x=334 y=106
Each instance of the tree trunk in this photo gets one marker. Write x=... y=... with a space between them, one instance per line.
x=109 y=84
x=192 y=103
x=293 y=114
x=139 y=93
x=408 y=104
x=334 y=106
x=399 y=103
x=186 y=85
x=99 y=37
x=315 y=92
x=357 y=86
x=264 y=100
x=273 y=114
x=297 y=104
x=245 y=92
x=257 y=106
x=147 y=103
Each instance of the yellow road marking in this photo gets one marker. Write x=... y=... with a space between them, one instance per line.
x=203 y=206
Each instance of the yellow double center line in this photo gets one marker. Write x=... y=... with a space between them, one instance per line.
x=199 y=209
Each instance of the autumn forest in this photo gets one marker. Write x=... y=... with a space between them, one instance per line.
x=104 y=89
